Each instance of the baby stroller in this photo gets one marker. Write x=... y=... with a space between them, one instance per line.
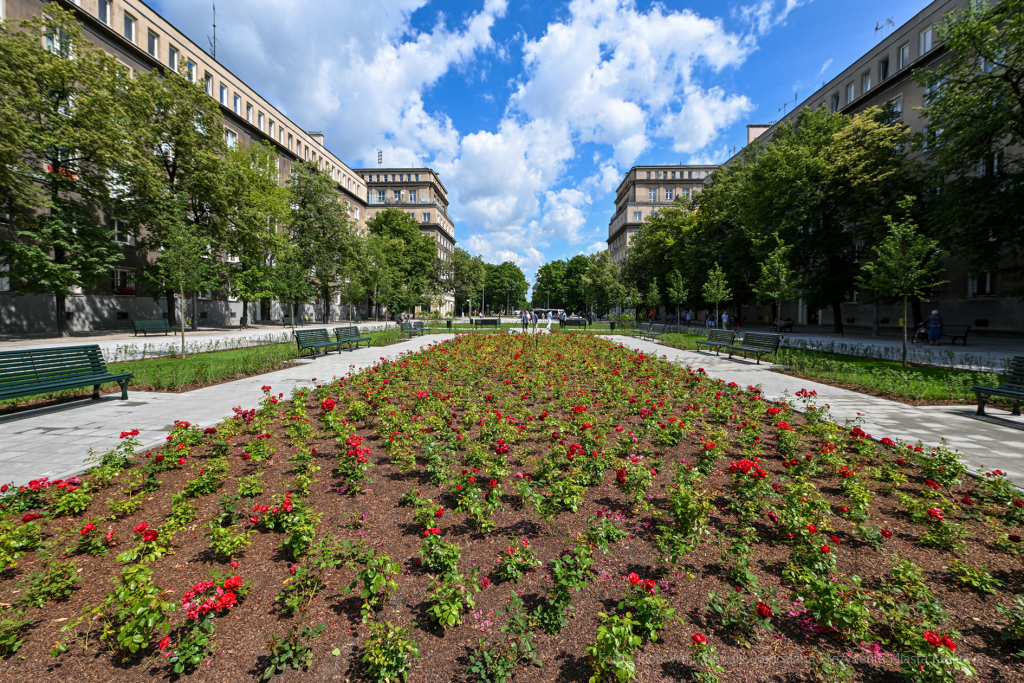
x=920 y=335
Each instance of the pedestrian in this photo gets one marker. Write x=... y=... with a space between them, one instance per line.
x=549 y=321
x=535 y=318
x=686 y=319
x=934 y=325
x=736 y=324
x=526 y=322
x=725 y=320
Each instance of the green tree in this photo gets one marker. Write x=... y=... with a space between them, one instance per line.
x=548 y=286
x=906 y=264
x=716 y=288
x=289 y=278
x=652 y=297
x=187 y=266
x=467 y=275
x=321 y=229
x=677 y=292
x=379 y=277
x=181 y=181
x=414 y=273
x=975 y=114
x=778 y=281
x=257 y=205
x=507 y=285
x=64 y=101
x=602 y=285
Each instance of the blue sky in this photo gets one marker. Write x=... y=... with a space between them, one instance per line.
x=532 y=111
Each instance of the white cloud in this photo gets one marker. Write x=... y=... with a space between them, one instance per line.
x=596 y=247
x=762 y=16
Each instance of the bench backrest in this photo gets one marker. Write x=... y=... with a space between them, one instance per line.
x=725 y=336
x=151 y=324
x=405 y=327
x=350 y=332
x=1014 y=377
x=417 y=324
x=956 y=330
x=762 y=340
x=488 y=321
x=28 y=368
x=575 y=322
x=311 y=336
x=657 y=328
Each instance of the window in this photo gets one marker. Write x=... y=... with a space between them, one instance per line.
x=191 y=71
x=652 y=195
x=238 y=104
x=897 y=106
x=129 y=27
x=224 y=94
x=122 y=282
x=55 y=42
x=5 y=281
x=850 y=93
x=104 y=12
x=417 y=177
x=209 y=85
x=668 y=194
x=637 y=216
x=204 y=296
x=883 y=70
x=833 y=105
x=260 y=119
x=122 y=234
x=357 y=213
x=152 y=44
x=686 y=192
x=172 y=58
x=248 y=113
x=924 y=41
x=271 y=129
x=412 y=195
x=904 y=59
x=289 y=141
x=230 y=138
x=981 y=285
x=865 y=82
x=426 y=216
x=648 y=175
x=382 y=196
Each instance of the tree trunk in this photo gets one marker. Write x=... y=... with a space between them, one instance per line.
x=183 y=324
x=904 y=331
x=327 y=304
x=170 y=307
x=837 y=317
x=677 y=320
x=245 y=311
x=60 y=303
x=876 y=325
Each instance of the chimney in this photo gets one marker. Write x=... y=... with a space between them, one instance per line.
x=754 y=131
x=317 y=136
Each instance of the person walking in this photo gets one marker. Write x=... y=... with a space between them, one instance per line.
x=549 y=321
x=525 y=320
x=535 y=318
x=934 y=325
x=725 y=320
x=686 y=319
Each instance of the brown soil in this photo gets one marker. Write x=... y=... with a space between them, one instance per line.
x=242 y=633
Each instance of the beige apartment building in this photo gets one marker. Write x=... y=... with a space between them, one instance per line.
x=419 y=192
x=883 y=76
x=644 y=190
x=142 y=40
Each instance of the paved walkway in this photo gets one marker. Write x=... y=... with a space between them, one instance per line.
x=56 y=441
x=987 y=443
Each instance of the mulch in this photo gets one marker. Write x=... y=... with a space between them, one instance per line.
x=241 y=635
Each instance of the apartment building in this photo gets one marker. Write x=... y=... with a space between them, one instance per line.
x=883 y=76
x=419 y=192
x=644 y=190
x=142 y=40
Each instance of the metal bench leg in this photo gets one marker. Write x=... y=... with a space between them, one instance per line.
x=981 y=404
x=1016 y=408
x=95 y=391
x=124 y=390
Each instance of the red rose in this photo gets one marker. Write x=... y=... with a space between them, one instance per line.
x=87 y=528
x=485 y=583
x=165 y=642
x=439 y=513
x=834 y=539
x=141 y=527
x=764 y=610
x=932 y=638
x=649 y=586
x=949 y=643
x=233 y=582
x=886 y=533
x=813 y=529
x=936 y=513
x=150 y=535
x=825 y=549
x=698 y=639
x=621 y=476
x=1014 y=538
x=633 y=578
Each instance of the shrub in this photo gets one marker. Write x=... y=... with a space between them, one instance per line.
x=438 y=556
x=389 y=652
x=54 y=582
x=292 y=650
x=611 y=653
x=517 y=560
x=653 y=612
x=451 y=597
x=975 y=578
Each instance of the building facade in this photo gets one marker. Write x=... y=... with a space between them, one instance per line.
x=419 y=192
x=142 y=40
x=644 y=190
x=883 y=75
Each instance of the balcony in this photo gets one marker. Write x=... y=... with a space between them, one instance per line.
x=423 y=203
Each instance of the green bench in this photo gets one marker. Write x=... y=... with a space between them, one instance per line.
x=717 y=339
x=412 y=329
x=40 y=371
x=654 y=331
x=291 y=321
x=145 y=325
x=350 y=335
x=315 y=340
x=955 y=332
x=573 y=322
x=486 y=322
x=1012 y=387
x=757 y=343
x=642 y=330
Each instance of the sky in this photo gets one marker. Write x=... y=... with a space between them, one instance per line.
x=532 y=112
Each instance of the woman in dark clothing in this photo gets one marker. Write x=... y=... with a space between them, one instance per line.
x=934 y=325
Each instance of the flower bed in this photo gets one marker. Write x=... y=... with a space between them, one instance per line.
x=550 y=508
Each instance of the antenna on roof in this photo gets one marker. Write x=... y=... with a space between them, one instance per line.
x=213 y=41
x=380 y=157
